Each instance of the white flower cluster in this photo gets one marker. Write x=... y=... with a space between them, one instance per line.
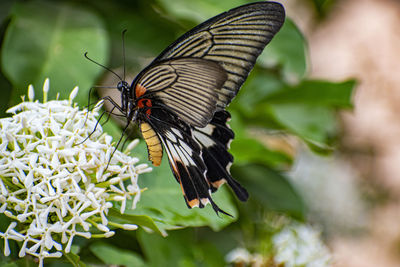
x=300 y=245
x=295 y=245
x=54 y=186
x=242 y=257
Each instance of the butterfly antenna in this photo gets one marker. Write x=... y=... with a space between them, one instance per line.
x=123 y=50
x=104 y=67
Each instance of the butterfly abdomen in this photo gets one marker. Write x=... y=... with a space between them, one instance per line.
x=153 y=143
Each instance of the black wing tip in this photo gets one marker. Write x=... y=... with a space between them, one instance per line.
x=218 y=209
x=276 y=8
x=237 y=188
x=241 y=193
x=266 y=5
x=200 y=205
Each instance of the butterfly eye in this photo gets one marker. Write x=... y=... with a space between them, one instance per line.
x=122 y=85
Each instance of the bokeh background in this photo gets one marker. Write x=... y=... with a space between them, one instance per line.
x=317 y=125
x=360 y=39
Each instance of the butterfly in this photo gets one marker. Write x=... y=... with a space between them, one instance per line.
x=179 y=99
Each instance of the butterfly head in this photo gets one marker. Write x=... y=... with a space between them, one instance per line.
x=125 y=90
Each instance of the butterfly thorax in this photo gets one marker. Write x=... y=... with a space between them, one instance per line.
x=128 y=104
x=124 y=88
x=137 y=106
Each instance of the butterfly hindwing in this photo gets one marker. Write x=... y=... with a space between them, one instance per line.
x=214 y=140
x=184 y=155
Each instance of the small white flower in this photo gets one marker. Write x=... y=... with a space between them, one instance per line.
x=109 y=234
x=129 y=226
x=300 y=245
x=239 y=256
x=53 y=176
x=296 y=245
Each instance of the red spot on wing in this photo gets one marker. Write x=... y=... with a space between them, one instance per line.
x=140 y=103
x=145 y=103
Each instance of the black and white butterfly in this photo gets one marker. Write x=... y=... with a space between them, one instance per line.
x=179 y=100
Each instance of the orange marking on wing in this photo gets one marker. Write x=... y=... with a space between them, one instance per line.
x=140 y=90
x=183 y=191
x=194 y=203
x=218 y=183
x=176 y=171
x=179 y=178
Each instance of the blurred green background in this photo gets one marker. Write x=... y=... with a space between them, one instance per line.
x=277 y=106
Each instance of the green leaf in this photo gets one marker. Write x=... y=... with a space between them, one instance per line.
x=318 y=93
x=148 y=32
x=9 y=264
x=31 y=262
x=288 y=50
x=307 y=109
x=314 y=124
x=181 y=248
x=173 y=250
x=248 y=150
x=111 y=255
x=140 y=220
x=5 y=91
x=5 y=85
x=163 y=201
x=209 y=254
x=74 y=259
x=48 y=40
x=5 y=7
x=258 y=86
x=198 y=11
x=323 y=6
x=270 y=189
x=245 y=148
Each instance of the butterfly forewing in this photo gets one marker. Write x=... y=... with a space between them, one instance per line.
x=185 y=86
x=234 y=39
